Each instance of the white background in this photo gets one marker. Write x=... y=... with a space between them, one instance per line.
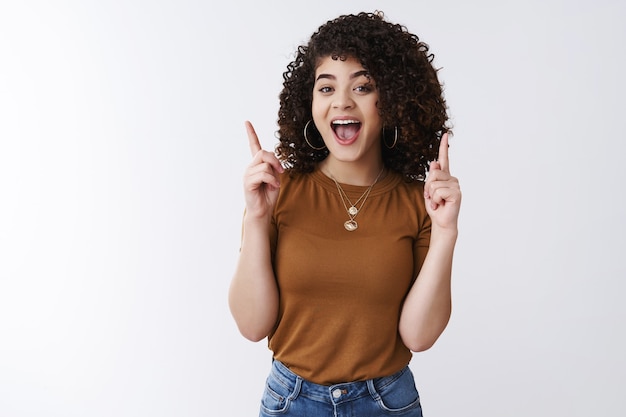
x=122 y=147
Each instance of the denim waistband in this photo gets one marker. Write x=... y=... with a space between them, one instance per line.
x=336 y=393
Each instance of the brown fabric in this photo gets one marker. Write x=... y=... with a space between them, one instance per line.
x=341 y=292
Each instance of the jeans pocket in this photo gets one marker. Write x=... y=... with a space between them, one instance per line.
x=397 y=393
x=276 y=396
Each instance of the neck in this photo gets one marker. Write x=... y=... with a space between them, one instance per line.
x=352 y=173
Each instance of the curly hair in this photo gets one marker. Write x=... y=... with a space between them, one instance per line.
x=410 y=94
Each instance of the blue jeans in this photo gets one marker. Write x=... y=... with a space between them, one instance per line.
x=287 y=394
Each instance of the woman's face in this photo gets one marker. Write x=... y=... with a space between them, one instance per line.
x=345 y=113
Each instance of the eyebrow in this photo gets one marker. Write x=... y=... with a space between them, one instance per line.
x=352 y=76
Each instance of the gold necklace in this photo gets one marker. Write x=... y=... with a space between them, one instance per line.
x=351 y=225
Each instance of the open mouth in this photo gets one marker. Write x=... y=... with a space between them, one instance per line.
x=346 y=129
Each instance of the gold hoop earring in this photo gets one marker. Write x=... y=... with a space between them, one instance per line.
x=395 y=138
x=306 y=139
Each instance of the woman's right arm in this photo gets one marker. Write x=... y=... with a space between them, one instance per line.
x=253 y=293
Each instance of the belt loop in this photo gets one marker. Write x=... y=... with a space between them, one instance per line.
x=372 y=389
x=296 y=389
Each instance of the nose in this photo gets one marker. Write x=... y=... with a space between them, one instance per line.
x=342 y=100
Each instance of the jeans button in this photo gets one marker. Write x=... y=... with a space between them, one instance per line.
x=337 y=393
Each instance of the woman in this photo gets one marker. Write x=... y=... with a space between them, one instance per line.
x=350 y=226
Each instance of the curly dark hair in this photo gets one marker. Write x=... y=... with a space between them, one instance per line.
x=410 y=94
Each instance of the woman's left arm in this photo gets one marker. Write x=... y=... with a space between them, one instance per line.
x=428 y=305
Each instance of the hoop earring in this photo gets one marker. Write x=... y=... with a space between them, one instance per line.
x=395 y=138
x=306 y=139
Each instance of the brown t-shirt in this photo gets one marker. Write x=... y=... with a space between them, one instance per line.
x=341 y=292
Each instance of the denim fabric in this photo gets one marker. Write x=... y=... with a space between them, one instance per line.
x=286 y=394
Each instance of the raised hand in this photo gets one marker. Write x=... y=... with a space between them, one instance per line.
x=442 y=191
x=261 y=178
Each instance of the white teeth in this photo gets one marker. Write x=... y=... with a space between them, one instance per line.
x=344 y=122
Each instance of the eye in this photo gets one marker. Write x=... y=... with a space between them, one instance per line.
x=364 y=88
x=325 y=89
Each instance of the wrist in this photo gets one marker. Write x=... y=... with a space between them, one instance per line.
x=443 y=234
x=254 y=221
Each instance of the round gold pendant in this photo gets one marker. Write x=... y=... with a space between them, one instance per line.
x=353 y=211
x=351 y=225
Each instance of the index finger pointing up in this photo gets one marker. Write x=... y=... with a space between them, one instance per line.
x=443 y=153
x=253 y=139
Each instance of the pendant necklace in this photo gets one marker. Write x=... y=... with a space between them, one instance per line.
x=351 y=225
